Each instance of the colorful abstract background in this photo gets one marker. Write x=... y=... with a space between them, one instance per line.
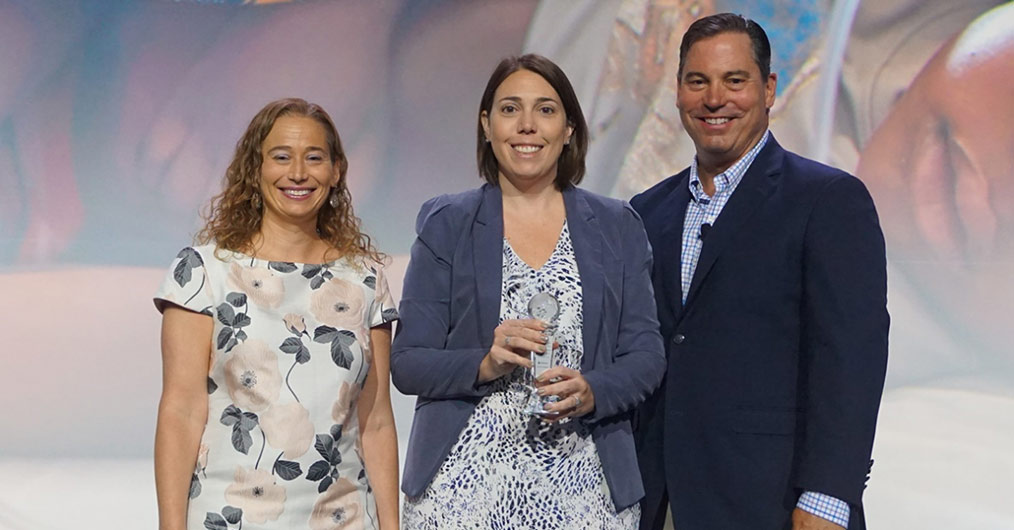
x=118 y=118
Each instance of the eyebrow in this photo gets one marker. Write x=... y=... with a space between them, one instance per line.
x=542 y=99
x=742 y=73
x=311 y=148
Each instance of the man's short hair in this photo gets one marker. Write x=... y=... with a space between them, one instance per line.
x=712 y=25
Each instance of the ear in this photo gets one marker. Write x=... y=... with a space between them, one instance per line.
x=336 y=174
x=570 y=132
x=484 y=120
x=770 y=87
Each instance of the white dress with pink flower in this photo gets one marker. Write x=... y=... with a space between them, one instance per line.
x=290 y=353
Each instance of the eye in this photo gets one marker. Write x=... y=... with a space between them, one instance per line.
x=548 y=110
x=280 y=157
x=315 y=157
x=508 y=108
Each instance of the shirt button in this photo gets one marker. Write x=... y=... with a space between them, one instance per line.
x=679 y=338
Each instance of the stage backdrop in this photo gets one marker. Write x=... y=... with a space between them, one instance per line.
x=117 y=120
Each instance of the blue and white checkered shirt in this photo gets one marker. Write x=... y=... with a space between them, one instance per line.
x=704 y=210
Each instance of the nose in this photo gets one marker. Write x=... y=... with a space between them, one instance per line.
x=526 y=122
x=714 y=97
x=298 y=173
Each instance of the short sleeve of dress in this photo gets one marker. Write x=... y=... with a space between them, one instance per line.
x=382 y=309
x=186 y=284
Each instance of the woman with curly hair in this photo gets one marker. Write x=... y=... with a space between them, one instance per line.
x=276 y=340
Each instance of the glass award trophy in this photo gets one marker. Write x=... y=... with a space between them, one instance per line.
x=545 y=307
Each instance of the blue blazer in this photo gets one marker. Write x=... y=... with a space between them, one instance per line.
x=450 y=305
x=777 y=360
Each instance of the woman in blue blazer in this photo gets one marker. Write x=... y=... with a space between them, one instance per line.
x=475 y=458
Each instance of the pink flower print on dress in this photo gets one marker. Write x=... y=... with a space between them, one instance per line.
x=202 y=458
x=288 y=427
x=255 y=492
x=294 y=323
x=338 y=508
x=252 y=376
x=260 y=285
x=343 y=405
x=338 y=303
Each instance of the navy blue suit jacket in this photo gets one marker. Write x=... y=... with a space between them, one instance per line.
x=451 y=303
x=777 y=360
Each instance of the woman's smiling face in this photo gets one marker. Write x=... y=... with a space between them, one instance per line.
x=297 y=172
x=527 y=127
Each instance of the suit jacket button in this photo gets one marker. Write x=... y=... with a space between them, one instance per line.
x=679 y=338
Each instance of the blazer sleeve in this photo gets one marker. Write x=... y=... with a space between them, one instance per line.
x=421 y=363
x=844 y=340
x=639 y=360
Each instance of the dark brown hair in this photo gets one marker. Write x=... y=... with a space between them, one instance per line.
x=570 y=168
x=234 y=216
x=712 y=25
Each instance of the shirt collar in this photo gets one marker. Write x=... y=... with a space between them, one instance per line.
x=727 y=180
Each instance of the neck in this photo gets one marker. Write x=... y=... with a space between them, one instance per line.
x=282 y=241
x=528 y=193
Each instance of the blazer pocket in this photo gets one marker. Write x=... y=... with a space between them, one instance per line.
x=765 y=421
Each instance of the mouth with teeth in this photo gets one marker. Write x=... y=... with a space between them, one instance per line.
x=297 y=193
x=716 y=121
x=526 y=149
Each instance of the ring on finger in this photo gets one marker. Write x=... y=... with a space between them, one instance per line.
x=507 y=341
x=577 y=401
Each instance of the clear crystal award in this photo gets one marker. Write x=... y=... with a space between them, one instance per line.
x=545 y=307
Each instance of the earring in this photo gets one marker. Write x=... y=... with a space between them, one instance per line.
x=256 y=200
x=334 y=200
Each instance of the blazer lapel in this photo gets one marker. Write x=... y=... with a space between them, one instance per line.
x=754 y=189
x=668 y=257
x=586 y=237
x=487 y=257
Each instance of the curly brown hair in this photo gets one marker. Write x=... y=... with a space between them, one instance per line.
x=233 y=217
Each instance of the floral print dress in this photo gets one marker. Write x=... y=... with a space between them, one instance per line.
x=508 y=470
x=290 y=354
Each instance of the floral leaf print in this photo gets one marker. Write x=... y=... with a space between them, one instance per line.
x=241 y=321
x=324 y=334
x=232 y=514
x=230 y=345
x=231 y=415
x=336 y=432
x=324 y=485
x=341 y=354
x=318 y=470
x=236 y=299
x=309 y=271
x=282 y=266
x=287 y=470
x=341 y=351
x=226 y=314
x=241 y=440
x=316 y=282
x=389 y=314
x=223 y=337
x=189 y=260
x=195 y=486
x=291 y=345
x=241 y=335
x=370 y=281
x=295 y=345
x=324 y=445
x=213 y=521
x=326 y=275
x=212 y=386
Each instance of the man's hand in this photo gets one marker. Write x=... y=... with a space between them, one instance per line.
x=804 y=520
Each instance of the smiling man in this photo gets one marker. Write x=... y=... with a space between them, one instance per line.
x=770 y=279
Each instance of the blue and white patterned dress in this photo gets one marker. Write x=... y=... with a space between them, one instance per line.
x=508 y=470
